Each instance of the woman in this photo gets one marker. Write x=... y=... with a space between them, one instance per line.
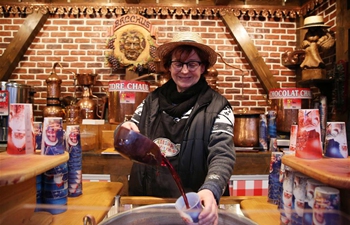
x=192 y=124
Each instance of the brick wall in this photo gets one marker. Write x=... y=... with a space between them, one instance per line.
x=79 y=44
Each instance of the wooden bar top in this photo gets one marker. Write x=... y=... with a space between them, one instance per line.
x=18 y=168
x=331 y=171
x=260 y=211
x=96 y=201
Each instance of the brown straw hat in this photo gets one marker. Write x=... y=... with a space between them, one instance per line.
x=187 y=38
x=313 y=21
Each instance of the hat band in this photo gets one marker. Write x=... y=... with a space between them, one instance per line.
x=317 y=23
x=188 y=41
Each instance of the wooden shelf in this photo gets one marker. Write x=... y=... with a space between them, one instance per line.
x=331 y=171
x=18 y=168
x=18 y=183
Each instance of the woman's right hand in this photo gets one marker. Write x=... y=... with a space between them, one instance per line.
x=131 y=126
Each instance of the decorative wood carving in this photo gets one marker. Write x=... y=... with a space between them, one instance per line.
x=221 y=8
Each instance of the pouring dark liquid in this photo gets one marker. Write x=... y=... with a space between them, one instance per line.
x=177 y=180
x=138 y=148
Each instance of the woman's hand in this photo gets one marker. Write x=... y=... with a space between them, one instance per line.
x=209 y=215
x=131 y=126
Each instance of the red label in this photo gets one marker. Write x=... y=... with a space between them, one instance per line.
x=127 y=97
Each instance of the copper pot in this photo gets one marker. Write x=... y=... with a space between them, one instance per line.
x=246 y=129
x=85 y=79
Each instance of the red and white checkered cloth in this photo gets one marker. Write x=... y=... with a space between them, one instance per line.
x=248 y=185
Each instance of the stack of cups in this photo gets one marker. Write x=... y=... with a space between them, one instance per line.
x=274 y=186
x=73 y=146
x=299 y=197
x=293 y=137
x=272 y=130
x=20 y=139
x=311 y=185
x=55 y=188
x=326 y=206
x=38 y=138
x=263 y=135
x=38 y=191
x=286 y=201
x=38 y=131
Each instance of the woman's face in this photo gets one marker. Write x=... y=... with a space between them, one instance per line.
x=183 y=77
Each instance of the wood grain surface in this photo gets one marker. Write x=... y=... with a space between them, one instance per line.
x=18 y=168
x=260 y=211
x=331 y=171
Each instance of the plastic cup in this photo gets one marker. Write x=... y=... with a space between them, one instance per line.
x=189 y=215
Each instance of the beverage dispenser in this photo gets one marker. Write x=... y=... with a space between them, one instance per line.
x=12 y=92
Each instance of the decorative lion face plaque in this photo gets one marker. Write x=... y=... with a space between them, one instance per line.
x=131 y=44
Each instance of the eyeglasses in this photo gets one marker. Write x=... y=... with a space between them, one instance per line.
x=191 y=65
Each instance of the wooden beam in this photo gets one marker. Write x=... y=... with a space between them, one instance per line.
x=132 y=1
x=342 y=51
x=254 y=59
x=222 y=2
x=20 y=43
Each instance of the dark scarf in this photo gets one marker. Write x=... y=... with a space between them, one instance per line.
x=177 y=103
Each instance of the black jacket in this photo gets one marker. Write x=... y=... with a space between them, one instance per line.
x=205 y=160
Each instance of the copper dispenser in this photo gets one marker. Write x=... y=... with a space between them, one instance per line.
x=88 y=106
x=53 y=108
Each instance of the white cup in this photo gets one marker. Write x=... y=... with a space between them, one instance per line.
x=189 y=215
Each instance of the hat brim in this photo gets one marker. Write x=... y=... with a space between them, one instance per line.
x=315 y=25
x=164 y=49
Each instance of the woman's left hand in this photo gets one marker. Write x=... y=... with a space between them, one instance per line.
x=209 y=215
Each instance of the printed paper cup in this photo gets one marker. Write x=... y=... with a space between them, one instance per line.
x=336 y=145
x=20 y=136
x=53 y=136
x=308 y=144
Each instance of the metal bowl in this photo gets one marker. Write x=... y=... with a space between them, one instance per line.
x=166 y=214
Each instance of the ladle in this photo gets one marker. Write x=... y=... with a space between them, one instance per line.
x=136 y=147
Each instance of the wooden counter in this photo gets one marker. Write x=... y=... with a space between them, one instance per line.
x=260 y=211
x=107 y=161
x=96 y=200
x=17 y=183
